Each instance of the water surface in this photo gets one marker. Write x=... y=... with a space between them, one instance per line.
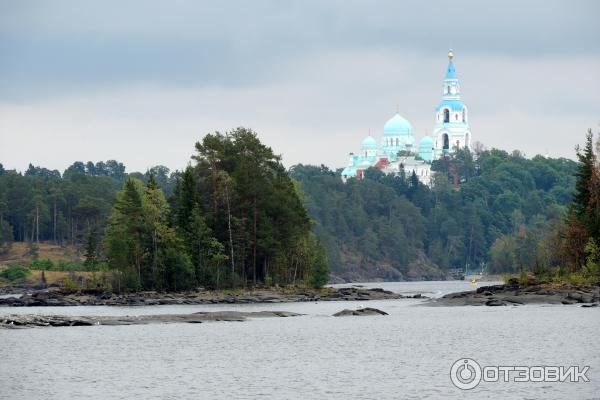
x=407 y=354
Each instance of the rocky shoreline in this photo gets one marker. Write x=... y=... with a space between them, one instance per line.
x=33 y=321
x=515 y=294
x=58 y=297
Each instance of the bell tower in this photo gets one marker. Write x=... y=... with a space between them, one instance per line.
x=451 y=130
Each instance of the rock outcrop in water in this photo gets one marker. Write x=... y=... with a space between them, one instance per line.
x=514 y=294
x=30 y=321
x=57 y=297
x=359 y=312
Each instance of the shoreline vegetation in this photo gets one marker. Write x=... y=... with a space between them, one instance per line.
x=236 y=218
x=513 y=292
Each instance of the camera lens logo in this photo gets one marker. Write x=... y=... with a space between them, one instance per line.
x=465 y=373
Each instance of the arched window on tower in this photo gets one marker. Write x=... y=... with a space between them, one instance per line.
x=446 y=115
x=397 y=142
x=464 y=115
x=446 y=142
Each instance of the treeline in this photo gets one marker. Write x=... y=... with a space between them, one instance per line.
x=234 y=218
x=45 y=205
x=568 y=243
x=388 y=221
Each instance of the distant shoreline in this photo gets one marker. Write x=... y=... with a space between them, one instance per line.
x=58 y=297
x=515 y=294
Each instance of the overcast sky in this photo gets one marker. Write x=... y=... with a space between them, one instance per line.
x=142 y=81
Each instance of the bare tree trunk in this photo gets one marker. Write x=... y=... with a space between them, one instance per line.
x=33 y=229
x=154 y=267
x=74 y=235
x=230 y=232
x=213 y=171
x=254 y=244
x=37 y=224
x=218 y=270
x=265 y=268
x=54 y=223
x=295 y=271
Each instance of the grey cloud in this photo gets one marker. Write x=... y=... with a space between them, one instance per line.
x=51 y=47
x=312 y=77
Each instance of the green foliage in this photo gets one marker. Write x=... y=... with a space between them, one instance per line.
x=233 y=219
x=6 y=235
x=580 y=246
x=69 y=284
x=504 y=214
x=571 y=242
x=99 y=281
x=91 y=252
x=65 y=207
x=42 y=264
x=523 y=278
x=249 y=205
x=237 y=218
x=48 y=265
x=575 y=279
x=591 y=269
x=33 y=249
x=132 y=237
x=14 y=272
x=318 y=273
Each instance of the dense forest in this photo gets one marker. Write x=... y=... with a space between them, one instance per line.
x=502 y=216
x=235 y=217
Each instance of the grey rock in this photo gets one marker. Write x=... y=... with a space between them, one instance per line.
x=495 y=303
x=568 y=301
x=11 y=321
x=590 y=305
x=359 y=312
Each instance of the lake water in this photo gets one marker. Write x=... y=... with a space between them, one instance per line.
x=407 y=354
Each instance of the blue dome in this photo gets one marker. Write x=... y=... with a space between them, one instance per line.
x=426 y=142
x=426 y=148
x=369 y=143
x=349 y=172
x=396 y=126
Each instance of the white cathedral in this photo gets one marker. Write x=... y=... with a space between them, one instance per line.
x=398 y=147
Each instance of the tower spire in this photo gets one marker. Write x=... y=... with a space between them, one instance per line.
x=452 y=126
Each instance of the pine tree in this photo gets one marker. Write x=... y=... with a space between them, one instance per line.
x=124 y=236
x=91 y=252
x=583 y=220
x=585 y=175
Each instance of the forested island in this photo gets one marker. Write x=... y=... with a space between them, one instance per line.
x=235 y=217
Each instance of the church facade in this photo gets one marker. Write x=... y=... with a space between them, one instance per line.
x=398 y=149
